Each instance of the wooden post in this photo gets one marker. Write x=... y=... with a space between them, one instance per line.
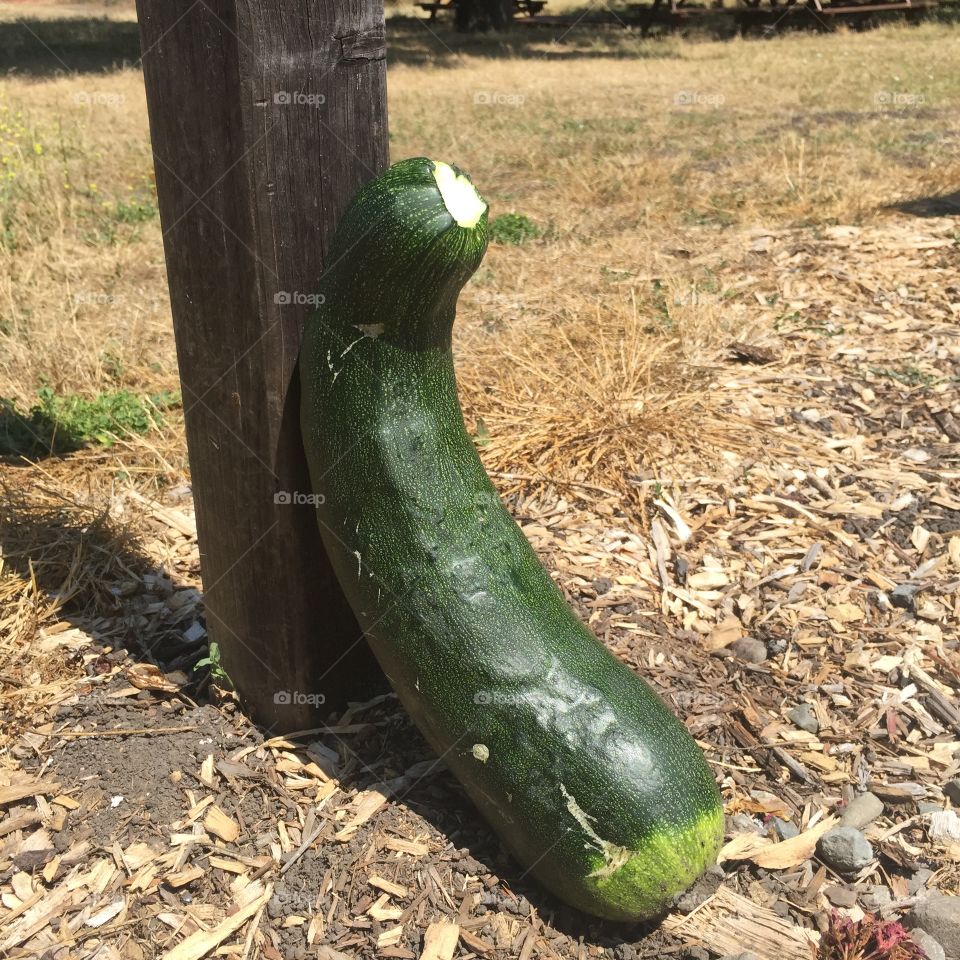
x=266 y=116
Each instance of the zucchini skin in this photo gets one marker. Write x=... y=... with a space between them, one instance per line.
x=590 y=781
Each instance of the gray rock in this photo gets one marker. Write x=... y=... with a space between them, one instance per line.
x=904 y=595
x=939 y=917
x=785 y=830
x=845 y=849
x=743 y=823
x=861 y=811
x=876 y=898
x=927 y=944
x=841 y=896
x=749 y=650
x=925 y=806
x=739 y=956
x=804 y=717
x=918 y=881
x=951 y=790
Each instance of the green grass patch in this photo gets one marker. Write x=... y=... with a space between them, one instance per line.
x=59 y=423
x=513 y=229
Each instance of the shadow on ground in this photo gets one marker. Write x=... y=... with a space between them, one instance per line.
x=944 y=205
x=77 y=556
x=45 y=47
x=77 y=553
x=75 y=44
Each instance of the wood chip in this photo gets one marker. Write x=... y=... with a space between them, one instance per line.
x=731 y=924
x=221 y=825
x=199 y=944
x=440 y=941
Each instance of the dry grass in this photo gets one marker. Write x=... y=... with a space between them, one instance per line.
x=587 y=353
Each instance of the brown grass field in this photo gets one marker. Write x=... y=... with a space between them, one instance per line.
x=718 y=388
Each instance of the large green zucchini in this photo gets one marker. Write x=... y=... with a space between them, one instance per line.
x=590 y=781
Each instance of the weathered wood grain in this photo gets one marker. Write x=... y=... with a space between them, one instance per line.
x=265 y=117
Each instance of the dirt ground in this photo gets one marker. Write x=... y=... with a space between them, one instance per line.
x=740 y=459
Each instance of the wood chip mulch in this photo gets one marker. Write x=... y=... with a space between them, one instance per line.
x=822 y=570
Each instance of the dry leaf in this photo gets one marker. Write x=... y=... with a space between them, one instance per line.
x=776 y=856
x=147 y=676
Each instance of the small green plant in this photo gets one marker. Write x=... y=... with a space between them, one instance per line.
x=133 y=211
x=482 y=436
x=212 y=660
x=60 y=423
x=610 y=274
x=909 y=375
x=513 y=229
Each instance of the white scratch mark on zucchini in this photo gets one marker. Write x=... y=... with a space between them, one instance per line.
x=614 y=855
x=356 y=553
x=350 y=346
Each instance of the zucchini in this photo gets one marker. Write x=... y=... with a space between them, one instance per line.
x=590 y=781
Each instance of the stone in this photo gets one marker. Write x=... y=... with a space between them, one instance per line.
x=743 y=823
x=841 y=896
x=804 y=717
x=784 y=829
x=930 y=947
x=876 y=898
x=845 y=849
x=904 y=595
x=861 y=810
x=918 y=882
x=951 y=790
x=939 y=918
x=926 y=806
x=749 y=650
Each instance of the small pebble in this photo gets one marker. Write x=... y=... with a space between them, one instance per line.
x=697 y=953
x=939 y=917
x=951 y=790
x=845 y=849
x=931 y=948
x=784 y=829
x=804 y=717
x=749 y=650
x=861 y=811
x=904 y=595
x=841 y=896
x=918 y=881
x=876 y=898
x=602 y=585
x=743 y=823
